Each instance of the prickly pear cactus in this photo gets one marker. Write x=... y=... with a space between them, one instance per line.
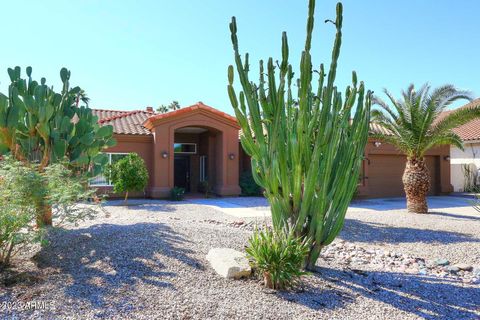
x=39 y=125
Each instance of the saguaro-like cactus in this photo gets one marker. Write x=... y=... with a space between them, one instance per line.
x=305 y=151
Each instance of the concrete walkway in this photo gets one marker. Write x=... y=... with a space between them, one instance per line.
x=253 y=207
x=231 y=208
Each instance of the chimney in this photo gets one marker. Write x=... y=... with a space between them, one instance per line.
x=150 y=109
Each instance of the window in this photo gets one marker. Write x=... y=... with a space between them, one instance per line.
x=203 y=169
x=186 y=148
x=101 y=180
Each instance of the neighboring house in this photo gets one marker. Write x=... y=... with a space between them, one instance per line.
x=465 y=164
x=199 y=143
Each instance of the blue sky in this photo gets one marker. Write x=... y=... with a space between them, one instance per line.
x=132 y=54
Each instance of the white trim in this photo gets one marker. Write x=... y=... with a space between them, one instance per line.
x=203 y=168
x=108 y=184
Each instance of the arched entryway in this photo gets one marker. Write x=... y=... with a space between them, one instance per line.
x=195 y=143
x=197 y=164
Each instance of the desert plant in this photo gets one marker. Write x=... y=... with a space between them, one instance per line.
x=306 y=150
x=278 y=256
x=38 y=125
x=128 y=174
x=248 y=185
x=204 y=186
x=470 y=175
x=177 y=193
x=20 y=188
x=417 y=123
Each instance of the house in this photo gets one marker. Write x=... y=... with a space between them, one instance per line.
x=199 y=143
x=465 y=164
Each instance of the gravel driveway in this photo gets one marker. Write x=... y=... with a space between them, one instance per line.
x=148 y=262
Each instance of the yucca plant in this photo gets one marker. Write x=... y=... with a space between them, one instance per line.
x=417 y=123
x=305 y=147
x=278 y=256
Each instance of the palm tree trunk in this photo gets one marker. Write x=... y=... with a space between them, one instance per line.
x=416 y=182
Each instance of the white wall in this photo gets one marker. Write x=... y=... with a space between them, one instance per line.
x=471 y=154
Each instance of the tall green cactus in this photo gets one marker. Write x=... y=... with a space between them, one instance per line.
x=38 y=125
x=305 y=151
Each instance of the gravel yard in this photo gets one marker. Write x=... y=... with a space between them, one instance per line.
x=148 y=261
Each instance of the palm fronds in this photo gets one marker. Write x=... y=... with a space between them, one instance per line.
x=419 y=121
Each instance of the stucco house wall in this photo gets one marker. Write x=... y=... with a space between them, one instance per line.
x=458 y=158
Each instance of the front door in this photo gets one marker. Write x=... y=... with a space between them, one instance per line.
x=182 y=172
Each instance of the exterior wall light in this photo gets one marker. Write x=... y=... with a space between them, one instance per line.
x=231 y=156
x=377 y=144
x=446 y=158
x=164 y=154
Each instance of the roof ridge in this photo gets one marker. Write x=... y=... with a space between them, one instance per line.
x=118 y=116
x=111 y=110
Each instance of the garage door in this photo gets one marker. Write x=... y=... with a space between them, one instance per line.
x=385 y=175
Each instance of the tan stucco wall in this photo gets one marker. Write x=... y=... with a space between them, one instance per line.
x=470 y=155
x=142 y=145
x=441 y=155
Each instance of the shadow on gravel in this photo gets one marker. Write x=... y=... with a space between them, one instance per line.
x=370 y=232
x=454 y=215
x=426 y=297
x=104 y=259
x=145 y=205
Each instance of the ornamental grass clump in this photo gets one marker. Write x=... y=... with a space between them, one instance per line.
x=278 y=257
x=305 y=138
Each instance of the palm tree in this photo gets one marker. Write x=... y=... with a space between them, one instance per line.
x=417 y=123
x=174 y=105
x=162 y=109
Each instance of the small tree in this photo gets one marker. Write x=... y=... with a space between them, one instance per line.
x=306 y=148
x=415 y=123
x=21 y=187
x=128 y=174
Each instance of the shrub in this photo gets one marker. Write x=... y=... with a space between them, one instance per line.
x=128 y=174
x=204 y=187
x=21 y=187
x=278 y=256
x=248 y=185
x=18 y=186
x=177 y=193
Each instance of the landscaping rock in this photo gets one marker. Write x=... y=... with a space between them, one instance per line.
x=464 y=266
x=453 y=269
x=442 y=262
x=229 y=263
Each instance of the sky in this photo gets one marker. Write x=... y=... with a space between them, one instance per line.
x=131 y=54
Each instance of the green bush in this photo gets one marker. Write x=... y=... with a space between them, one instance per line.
x=177 y=193
x=128 y=174
x=278 y=256
x=21 y=187
x=204 y=187
x=248 y=185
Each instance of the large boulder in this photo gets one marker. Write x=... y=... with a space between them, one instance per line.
x=229 y=263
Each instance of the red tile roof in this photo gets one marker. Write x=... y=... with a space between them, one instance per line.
x=199 y=105
x=469 y=131
x=124 y=122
